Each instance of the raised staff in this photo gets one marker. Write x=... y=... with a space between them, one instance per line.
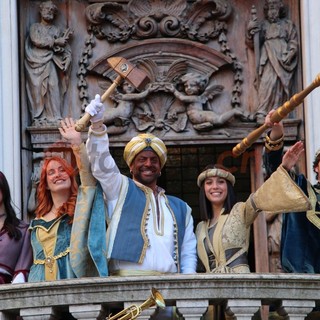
x=125 y=70
x=277 y=116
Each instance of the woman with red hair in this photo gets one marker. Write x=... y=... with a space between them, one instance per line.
x=53 y=231
x=15 y=249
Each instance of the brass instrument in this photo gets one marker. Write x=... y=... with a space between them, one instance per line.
x=133 y=311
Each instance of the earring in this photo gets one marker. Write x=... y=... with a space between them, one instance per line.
x=160 y=174
x=131 y=172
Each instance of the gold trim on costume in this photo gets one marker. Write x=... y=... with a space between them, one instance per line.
x=215 y=172
x=50 y=260
x=144 y=221
x=142 y=141
x=39 y=226
x=312 y=214
x=176 y=257
x=274 y=145
x=48 y=241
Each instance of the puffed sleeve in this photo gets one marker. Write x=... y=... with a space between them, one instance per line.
x=278 y=194
x=25 y=258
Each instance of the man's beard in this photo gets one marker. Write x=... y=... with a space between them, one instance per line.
x=273 y=15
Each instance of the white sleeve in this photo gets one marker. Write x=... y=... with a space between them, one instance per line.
x=19 y=278
x=189 y=249
x=103 y=167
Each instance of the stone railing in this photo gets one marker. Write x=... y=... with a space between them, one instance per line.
x=293 y=295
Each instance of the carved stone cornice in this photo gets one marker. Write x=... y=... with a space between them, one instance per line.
x=49 y=137
x=139 y=20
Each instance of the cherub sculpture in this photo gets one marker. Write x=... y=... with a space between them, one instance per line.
x=118 y=118
x=197 y=93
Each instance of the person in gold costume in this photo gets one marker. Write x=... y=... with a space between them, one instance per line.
x=223 y=234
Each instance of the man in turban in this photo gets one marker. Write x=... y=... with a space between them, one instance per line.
x=149 y=232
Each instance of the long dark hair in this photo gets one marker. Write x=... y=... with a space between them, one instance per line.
x=205 y=205
x=12 y=222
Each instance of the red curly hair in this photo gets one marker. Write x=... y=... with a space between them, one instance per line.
x=44 y=198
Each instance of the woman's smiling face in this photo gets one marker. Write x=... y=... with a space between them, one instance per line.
x=57 y=177
x=216 y=190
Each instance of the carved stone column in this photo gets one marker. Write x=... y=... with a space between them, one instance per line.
x=192 y=309
x=243 y=309
x=310 y=32
x=9 y=98
x=296 y=309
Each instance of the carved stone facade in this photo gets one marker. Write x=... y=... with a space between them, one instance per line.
x=168 y=40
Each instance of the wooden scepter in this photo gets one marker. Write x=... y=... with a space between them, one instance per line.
x=277 y=116
x=125 y=70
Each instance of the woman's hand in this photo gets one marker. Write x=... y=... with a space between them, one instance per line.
x=69 y=132
x=291 y=157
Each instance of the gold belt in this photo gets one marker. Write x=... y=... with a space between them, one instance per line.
x=49 y=261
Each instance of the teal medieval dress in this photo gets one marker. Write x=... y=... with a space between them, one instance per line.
x=63 y=249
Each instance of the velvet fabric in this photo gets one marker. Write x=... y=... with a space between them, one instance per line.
x=88 y=237
x=15 y=255
x=300 y=239
x=62 y=243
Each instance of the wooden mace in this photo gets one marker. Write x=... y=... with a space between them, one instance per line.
x=125 y=70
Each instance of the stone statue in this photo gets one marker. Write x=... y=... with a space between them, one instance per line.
x=275 y=43
x=274 y=225
x=118 y=118
x=197 y=93
x=47 y=66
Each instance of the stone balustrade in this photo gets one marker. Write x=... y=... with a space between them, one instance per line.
x=294 y=296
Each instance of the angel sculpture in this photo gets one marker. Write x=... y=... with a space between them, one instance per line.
x=118 y=118
x=197 y=94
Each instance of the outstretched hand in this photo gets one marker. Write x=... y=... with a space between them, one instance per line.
x=69 y=132
x=276 y=127
x=292 y=155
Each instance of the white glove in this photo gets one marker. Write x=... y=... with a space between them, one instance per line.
x=96 y=109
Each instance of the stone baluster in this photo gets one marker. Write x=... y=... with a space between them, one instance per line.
x=192 y=309
x=242 y=309
x=145 y=314
x=40 y=313
x=88 y=311
x=296 y=309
